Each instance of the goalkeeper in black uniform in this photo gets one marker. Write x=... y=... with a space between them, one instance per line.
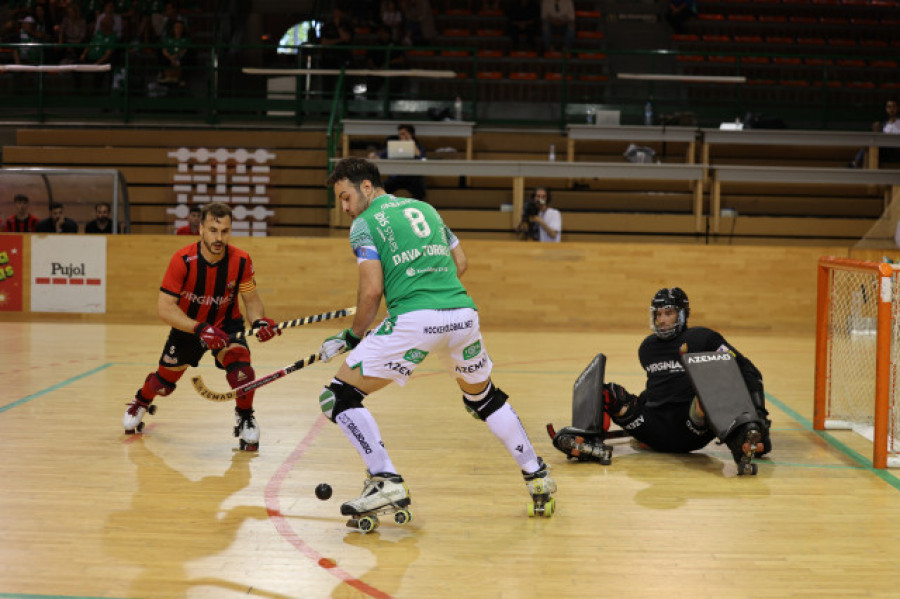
x=668 y=416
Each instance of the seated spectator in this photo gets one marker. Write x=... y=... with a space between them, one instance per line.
x=102 y=223
x=22 y=221
x=90 y=9
x=171 y=14
x=43 y=24
x=524 y=19
x=418 y=21
x=56 y=222
x=149 y=17
x=26 y=55
x=414 y=184
x=103 y=44
x=890 y=125
x=678 y=12
x=175 y=53
x=392 y=18
x=557 y=15
x=193 y=226
x=72 y=30
x=387 y=56
x=109 y=13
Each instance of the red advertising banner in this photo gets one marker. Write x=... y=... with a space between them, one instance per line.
x=10 y=273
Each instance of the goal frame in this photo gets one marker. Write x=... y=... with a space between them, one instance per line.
x=825 y=277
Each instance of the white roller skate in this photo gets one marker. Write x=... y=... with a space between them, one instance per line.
x=132 y=420
x=246 y=429
x=541 y=486
x=383 y=493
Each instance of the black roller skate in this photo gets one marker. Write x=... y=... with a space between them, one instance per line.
x=744 y=444
x=581 y=445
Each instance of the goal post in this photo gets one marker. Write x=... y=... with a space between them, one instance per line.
x=856 y=384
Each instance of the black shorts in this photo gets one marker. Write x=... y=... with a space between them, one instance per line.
x=186 y=349
x=667 y=428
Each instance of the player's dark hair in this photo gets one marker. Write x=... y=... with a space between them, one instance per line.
x=217 y=209
x=55 y=205
x=355 y=170
x=408 y=127
x=546 y=189
x=194 y=208
x=20 y=197
x=98 y=204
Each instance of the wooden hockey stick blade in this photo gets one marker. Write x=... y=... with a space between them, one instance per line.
x=211 y=395
x=288 y=324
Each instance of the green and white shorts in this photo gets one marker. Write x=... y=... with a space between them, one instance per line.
x=400 y=343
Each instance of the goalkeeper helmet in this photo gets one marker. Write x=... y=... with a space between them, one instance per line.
x=673 y=298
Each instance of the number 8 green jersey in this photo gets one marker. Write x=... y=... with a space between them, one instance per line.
x=413 y=244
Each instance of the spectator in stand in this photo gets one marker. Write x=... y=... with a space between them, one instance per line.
x=72 y=30
x=57 y=222
x=43 y=24
x=109 y=13
x=193 y=226
x=170 y=15
x=128 y=12
x=392 y=18
x=90 y=9
x=103 y=43
x=22 y=221
x=175 y=52
x=418 y=21
x=557 y=15
x=678 y=12
x=149 y=16
x=102 y=223
x=387 y=56
x=25 y=55
x=890 y=125
x=524 y=21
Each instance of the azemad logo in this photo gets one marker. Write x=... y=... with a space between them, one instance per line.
x=708 y=358
x=415 y=355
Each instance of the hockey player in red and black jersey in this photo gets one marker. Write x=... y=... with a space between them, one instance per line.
x=198 y=298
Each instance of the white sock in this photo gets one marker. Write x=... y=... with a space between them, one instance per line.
x=360 y=428
x=505 y=425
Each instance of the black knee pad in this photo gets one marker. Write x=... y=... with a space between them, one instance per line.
x=483 y=408
x=339 y=397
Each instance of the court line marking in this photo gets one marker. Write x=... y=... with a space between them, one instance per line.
x=42 y=392
x=284 y=528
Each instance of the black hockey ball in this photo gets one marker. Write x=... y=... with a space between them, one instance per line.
x=323 y=491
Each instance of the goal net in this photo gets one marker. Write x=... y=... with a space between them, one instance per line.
x=857 y=349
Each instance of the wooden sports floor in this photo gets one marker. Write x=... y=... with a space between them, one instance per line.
x=86 y=511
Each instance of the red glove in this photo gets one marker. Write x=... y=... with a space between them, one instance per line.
x=210 y=336
x=266 y=329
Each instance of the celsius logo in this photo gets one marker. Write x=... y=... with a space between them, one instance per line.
x=708 y=358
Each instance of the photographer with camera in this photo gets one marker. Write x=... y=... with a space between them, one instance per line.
x=540 y=222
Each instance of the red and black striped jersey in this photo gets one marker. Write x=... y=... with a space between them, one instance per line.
x=209 y=292
x=14 y=225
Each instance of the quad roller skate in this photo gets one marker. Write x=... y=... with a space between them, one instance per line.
x=246 y=429
x=132 y=421
x=541 y=487
x=382 y=494
x=581 y=445
x=744 y=444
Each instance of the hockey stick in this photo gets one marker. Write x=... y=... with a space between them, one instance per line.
x=299 y=322
x=211 y=395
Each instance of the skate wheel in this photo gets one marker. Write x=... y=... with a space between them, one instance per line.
x=403 y=517
x=130 y=432
x=140 y=427
x=237 y=431
x=530 y=507
x=549 y=508
x=151 y=409
x=606 y=460
x=367 y=524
